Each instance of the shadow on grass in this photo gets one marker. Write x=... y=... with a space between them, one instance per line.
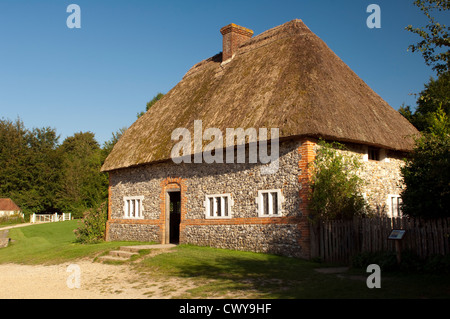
x=251 y=275
x=236 y=274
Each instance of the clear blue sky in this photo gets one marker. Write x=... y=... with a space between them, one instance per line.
x=99 y=77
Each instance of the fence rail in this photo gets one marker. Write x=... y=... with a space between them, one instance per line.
x=49 y=218
x=338 y=241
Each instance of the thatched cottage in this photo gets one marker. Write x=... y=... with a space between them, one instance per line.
x=285 y=78
x=9 y=208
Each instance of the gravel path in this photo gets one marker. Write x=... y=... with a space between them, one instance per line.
x=97 y=280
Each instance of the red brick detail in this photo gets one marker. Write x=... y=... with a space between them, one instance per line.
x=109 y=209
x=306 y=150
x=233 y=37
x=166 y=184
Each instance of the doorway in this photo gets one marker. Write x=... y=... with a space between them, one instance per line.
x=174 y=208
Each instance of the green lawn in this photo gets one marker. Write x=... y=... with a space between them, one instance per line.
x=225 y=273
x=253 y=275
x=50 y=243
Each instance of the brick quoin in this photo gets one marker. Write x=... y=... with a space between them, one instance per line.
x=167 y=184
x=307 y=153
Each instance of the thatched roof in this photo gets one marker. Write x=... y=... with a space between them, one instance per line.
x=284 y=78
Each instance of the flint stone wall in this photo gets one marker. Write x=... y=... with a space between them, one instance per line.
x=382 y=178
x=242 y=181
x=275 y=239
x=134 y=232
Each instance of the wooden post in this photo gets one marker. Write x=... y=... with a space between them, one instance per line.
x=398 y=250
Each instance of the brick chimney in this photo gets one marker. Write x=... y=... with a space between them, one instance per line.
x=233 y=37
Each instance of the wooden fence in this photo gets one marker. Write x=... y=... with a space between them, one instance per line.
x=49 y=218
x=338 y=241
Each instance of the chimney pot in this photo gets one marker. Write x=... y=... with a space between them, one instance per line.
x=233 y=37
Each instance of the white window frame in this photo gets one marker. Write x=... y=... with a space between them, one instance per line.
x=382 y=155
x=133 y=207
x=398 y=211
x=224 y=199
x=270 y=193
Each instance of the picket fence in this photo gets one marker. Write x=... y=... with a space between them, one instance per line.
x=338 y=241
x=49 y=218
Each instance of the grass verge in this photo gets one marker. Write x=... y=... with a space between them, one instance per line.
x=50 y=243
x=221 y=273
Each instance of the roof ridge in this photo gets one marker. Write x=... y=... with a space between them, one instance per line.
x=258 y=41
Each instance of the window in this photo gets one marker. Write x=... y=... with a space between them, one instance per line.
x=132 y=207
x=218 y=206
x=269 y=203
x=394 y=203
x=374 y=154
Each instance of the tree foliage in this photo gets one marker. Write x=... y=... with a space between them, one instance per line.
x=155 y=99
x=435 y=95
x=42 y=176
x=82 y=185
x=29 y=165
x=426 y=173
x=335 y=185
x=109 y=145
x=435 y=43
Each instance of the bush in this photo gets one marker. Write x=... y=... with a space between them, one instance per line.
x=410 y=262
x=92 y=227
x=385 y=259
x=438 y=264
x=11 y=219
x=426 y=173
x=335 y=184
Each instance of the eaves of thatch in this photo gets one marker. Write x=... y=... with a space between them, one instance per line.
x=285 y=78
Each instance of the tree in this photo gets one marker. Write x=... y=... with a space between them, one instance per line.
x=29 y=166
x=435 y=42
x=436 y=94
x=82 y=185
x=335 y=184
x=109 y=145
x=426 y=173
x=155 y=99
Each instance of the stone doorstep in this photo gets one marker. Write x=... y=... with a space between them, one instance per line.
x=4 y=242
x=137 y=248
x=126 y=252
x=112 y=258
x=122 y=253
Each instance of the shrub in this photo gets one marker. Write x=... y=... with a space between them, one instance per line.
x=335 y=184
x=92 y=227
x=410 y=262
x=438 y=264
x=11 y=219
x=385 y=259
x=426 y=173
